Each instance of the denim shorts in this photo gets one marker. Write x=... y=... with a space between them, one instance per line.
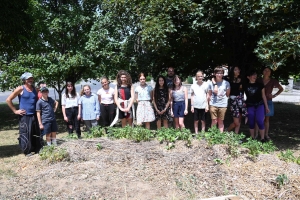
x=178 y=108
x=271 y=108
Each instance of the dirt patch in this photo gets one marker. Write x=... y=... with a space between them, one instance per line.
x=127 y=170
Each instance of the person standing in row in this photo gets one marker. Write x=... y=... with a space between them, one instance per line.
x=29 y=131
x=256 y=104
x=269 y=84
x=161 y=102
x=237 y=104
x=170 y=76
x=124 y=97
x=199 y=103
x=45 y=110
x=218 y=91
x=179 y=102
x=106 y=99
x=70 y=108
x=144 y=96
x=90 y=109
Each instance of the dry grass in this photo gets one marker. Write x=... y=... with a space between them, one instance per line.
x=127 y=170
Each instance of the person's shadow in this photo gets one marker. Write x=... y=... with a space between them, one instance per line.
x=10 y=150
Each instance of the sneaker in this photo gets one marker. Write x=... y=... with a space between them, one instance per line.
x=263 y=141
x=268 y=138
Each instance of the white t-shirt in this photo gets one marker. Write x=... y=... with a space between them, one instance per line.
x=70 y=101
x=199 y=92
x=107 y=96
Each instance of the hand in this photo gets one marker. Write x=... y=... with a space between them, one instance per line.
x=78 y=117
x=267 y=110
x=213 y=80
x=185 y=112
x=206 y=109
x=66 y=119
x=269 y=96
x=20 y=112
x=55 y=109
x=97 y=118
x=41 y=126
x=192 y=109
x=172 y=114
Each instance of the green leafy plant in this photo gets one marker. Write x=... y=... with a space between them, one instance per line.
x=96 y=132
x=281 y=180
x=186 y=135
x=53 y=154
x=99 y=146
x=72 y=136
x=287 y=156
x=214 y=136
x=190 y=80
x=219 y=161
x=233 y=141
x=254 y=146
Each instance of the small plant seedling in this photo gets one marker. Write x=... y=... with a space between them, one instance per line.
x=219 y=161
x=99 y=146
x=281 y=180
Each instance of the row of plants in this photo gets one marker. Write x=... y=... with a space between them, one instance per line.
x=169 y=136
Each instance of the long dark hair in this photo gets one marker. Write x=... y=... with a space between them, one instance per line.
x=231 y=77
x=157 y=86
x=174 y=79
x=73 y=92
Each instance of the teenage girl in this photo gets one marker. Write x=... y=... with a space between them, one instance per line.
x=70 y=102
x=124 y=96
x=179 y=102
x=236 y=99
x=161 y=102
x=106 y=99
x=256 y=104
x=144 y=96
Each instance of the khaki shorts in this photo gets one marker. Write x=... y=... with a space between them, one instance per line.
x=217 y=112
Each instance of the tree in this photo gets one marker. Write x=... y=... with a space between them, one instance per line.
x=58 y=43
x=149 y=35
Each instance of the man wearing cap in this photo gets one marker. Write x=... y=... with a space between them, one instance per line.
x=45 y=110
x=29 y=138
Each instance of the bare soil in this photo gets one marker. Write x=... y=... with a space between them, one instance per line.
x=124 y=169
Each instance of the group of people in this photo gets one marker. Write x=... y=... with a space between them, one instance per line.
x=166 y=102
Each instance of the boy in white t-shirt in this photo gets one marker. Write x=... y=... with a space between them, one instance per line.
x=199 y=103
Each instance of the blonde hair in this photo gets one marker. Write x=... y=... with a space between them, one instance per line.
x=82 y=90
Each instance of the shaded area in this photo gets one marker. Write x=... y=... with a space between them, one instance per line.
x=9 y=150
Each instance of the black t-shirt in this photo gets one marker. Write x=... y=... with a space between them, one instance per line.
x=253 y=93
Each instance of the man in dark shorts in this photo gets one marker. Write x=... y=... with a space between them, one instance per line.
x=29 y=132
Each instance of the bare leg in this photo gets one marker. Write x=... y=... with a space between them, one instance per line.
x=158 y=124
x=214 y=122
x=166 y=123
x=147 y=125
x=221 y=125
x=130 y=120
x=237 y=122
x=196 y=126
x=267 y=125
x=124 y=122
x=176 y=122
x=181 y=122
x=203 y=125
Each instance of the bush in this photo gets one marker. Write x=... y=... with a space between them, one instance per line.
x=190 y=80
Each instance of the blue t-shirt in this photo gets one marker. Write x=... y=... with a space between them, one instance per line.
x=47 y=109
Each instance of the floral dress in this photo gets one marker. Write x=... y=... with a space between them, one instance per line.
x=161 y=102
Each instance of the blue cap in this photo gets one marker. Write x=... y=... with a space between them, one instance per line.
x=26 y=76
